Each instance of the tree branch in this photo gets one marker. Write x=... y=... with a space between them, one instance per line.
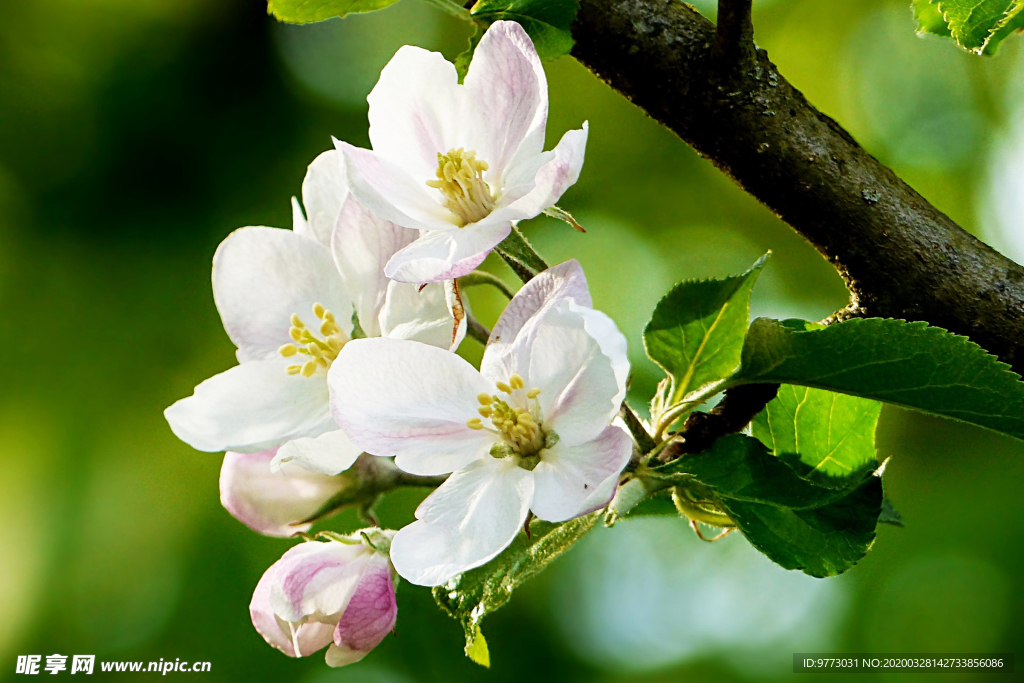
x=900 y=256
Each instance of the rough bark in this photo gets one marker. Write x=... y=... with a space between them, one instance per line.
x=900 y=256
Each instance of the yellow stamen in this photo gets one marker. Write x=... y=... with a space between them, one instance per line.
x=475 y=423
x=484 y=399
x=503 y=387
x=516 y=382
x=485 y=411
x=321 y=352
x=533 y=393
x=461 y=182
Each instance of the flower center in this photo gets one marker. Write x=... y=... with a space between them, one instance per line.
x=460 y=179
x=321 y=352
x=517 y=420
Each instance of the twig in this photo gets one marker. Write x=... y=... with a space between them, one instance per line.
x=734 y=45
x=737 y=408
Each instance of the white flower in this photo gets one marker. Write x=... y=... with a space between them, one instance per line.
x=275 y=503
x=337 y=593
x=530 y=431
x=461 y=162
x=286 y=298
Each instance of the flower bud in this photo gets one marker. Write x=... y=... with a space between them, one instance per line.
x=273 y=503
x=338 y=594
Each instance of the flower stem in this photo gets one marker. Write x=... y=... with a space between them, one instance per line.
x=476 y=330
x=482 y=277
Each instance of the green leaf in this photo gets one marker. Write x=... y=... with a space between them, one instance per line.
x=546 y=21
x=476 y=649
x=472 y=595
x=466 y=56
x=696 y=331
x=309 y=11
x=929 y=18
x=825 y=436
x=893 y=361
x=890 y=515
x=797 y=524
x=976 y=25
x=740 y=467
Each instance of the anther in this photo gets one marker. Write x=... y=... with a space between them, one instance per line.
x=319 y=310
x=297 y=321
x=293 y=369
x=309 y=369
x=485 y=411
x=533 y=393
x=288 y=350
x=503 y=387
x=475 y=423
x=485 y=399
x=516 y=382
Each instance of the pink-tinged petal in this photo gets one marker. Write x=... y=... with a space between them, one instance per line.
x=331 y=453
x=317 y=579
x=324 y=192
x=252 y=407
x=411 y=400
x=272 y=503
x=390 y=192
x=362 y=245
x=416 y=110
x=575 y=480
x=564 y=281
x=310 y=636
x=420 y=313
x=465 y=523
x=581 y=391
x=370 y=616
x=446 y=254
x=509 y=88
x=261 y=276
x=552 y=180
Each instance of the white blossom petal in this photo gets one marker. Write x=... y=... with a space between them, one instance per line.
x=272 y=503
x=422 y=315
x=300 y=226
x=330 y=453
x=324 y=192
x=370 y=616
x=390 y=192
x=552 y=180
x=580 y=389
x=575 y=480
x=465 y=523
x=509 y=88
x=444 y=254
x=261 y=276
x=416 y=110
x=411 y=400
x=564 y=281
x=362 y=244
x=252 y=407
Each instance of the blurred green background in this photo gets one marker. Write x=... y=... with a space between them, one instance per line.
x=136 y=134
